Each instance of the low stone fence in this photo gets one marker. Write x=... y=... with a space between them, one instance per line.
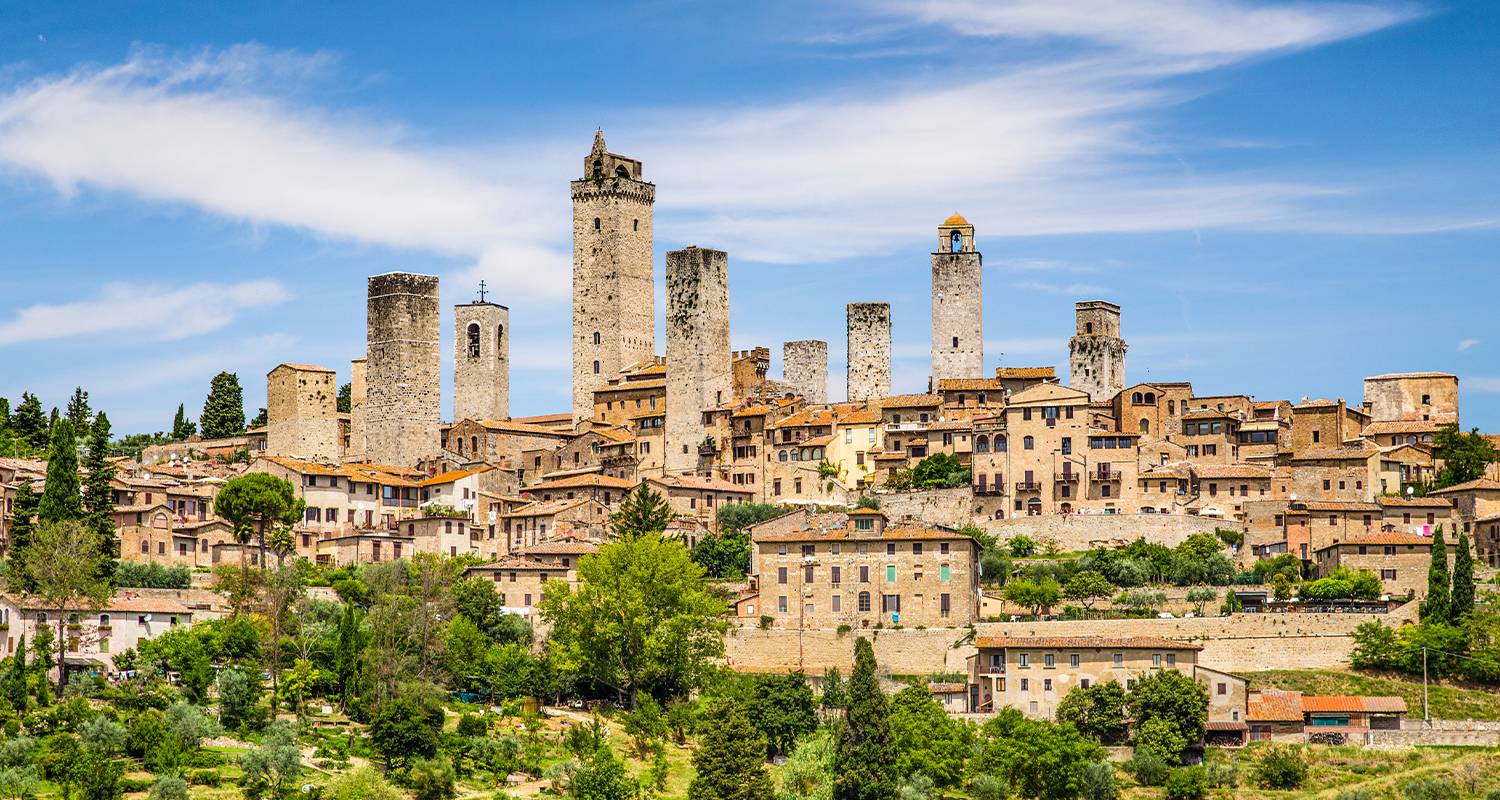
x=1086 y=531
x=1405 y=738
x=1418 y=724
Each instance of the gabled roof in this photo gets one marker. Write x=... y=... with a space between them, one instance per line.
x=969 y=385
x=454 y=475
x=1084 y=642
x=1020 y=373
x=1043 y=392
x=1414 y=502
x=1381 y=539
x=581 y=481
x=1476 y=485
x=912 y=401
x=698 y=482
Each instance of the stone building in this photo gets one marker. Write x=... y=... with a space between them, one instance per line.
x=1412 y=396
x=698 y=358
x=856 y=569
x=302 y=413
x=957 y=303
x=481 y=361
x=869 y=351
x=358 y=394
x=403 y=400
x=1399 y=559
x=805 y=367
x=614 y=302
x=748 y=369
x=1033 y=674
x=640 y=388
x=1096 y=353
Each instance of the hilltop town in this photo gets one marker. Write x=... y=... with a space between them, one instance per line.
x=1011 y=539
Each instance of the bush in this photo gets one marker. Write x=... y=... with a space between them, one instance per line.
x=1099 y=781
x=1187 y=783
x=151 y=575
x=1430 y=788
x=203 y=777
x=1280 y=767
x=1021 y=546
x=169 y=787
x=988 y=787
x=765 y=621
x=1354 y=794
x=1148 y=767
x=364 y=783
x=432 y=778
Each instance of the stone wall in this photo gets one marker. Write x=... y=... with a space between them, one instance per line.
x=481 y=361
x=1085 y=531
x=950 y=507
x=869 y=351
x=698 y=356
x=805 y=367
x=957 y=316
x=358 y=392
x=403 y=369
x=1399 y=397
x=301 y=413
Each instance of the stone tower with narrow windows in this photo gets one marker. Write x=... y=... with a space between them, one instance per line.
x=805 y=368
x=481 y=361
x=301 y=417
x=403 y=369
x=614 y=301
x=1096 y=362
x=699 y=368
x=869 y=351
x=957 y=303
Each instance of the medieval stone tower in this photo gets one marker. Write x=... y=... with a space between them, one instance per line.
x=869 y=356
x=804 y=365
x=403 y=369
x=1096 y=362
x=301 y=413
x=699 y=372
x=957 y=303
x=481 y=361
x=358 y=389
x=614 y=302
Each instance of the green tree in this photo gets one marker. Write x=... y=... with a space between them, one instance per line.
x=781 y=707
x=169 y=787
x=1437 y=606
x=346 y=654
x=61 y=496
x=1174 y=697
x=1097 y=711
x=258 y=502
x=1158 y=735
x=361 y=783
x=1201 y=596
x=1021 y=546
x=29 y=421
x=729 y=763
x=239 y=699
x=478 y=600
x=78 y=411
x=344 y=404
x=724 y=555
x=1087 y=587
x=641 y=511
x=1187 y=783
x=22 y=524
x=735 y=517
x=261 y=418
x=271 y=770
x=1039 y=759
x=601 y=777
x=864 y=761
x=834 y=694
x=405 y=727
x=182 y=427
x=1280 y=766
x=1033 y=595
x=641 y=619
x=432 y=779
x=1461 y=599
x=928 y=741
x=61 y=568
x=99 y=497
x=939 y=471
x=224 y=409
x=1464 y=455
x=17 y=687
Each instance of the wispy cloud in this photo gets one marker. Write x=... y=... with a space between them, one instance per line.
x=1465 y=344
x=156 y=313
x=1491 y=385
x=1072 y=289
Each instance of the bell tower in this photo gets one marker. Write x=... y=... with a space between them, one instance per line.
x=614 y=298
x=957 y=303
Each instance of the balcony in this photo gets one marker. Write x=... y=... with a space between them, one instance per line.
x=1067 y=477
x=998 y=487
x=908 y=426
x=991 y=669
x=1106 y=477
x=1028 y=486
x=708 y=448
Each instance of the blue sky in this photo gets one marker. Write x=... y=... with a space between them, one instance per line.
x=1284 y=197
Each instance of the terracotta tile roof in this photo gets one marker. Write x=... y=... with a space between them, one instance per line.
x=752 y=411
x=1478 y=484
x=1209 y=413
x=1400 y=426
x=947 y=688
x=1339 y=505
x=614 y=434
x=546 y=508
x=1352 y=703
x=1274 y=707
x=912 y=401
x=511 y=426
x=514 y=562
x=454 y=475
x=304 y=467
x=561 y=547
x=1263 y=425
x=845 y=534
x=1335 y=454
x=1414 y=502
x=816 y=441
x=1025 y=372
x=1084 y=642
x=1382 y=539
x=699 y=482
x=542 y=419
x=861 y=417
x=952 y=425
x=1233 y=471
x=581 y=481
x=969 y=385
x=812 y=415
x=628 y=386
x=1227 y=725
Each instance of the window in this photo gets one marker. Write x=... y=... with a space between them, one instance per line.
x=781 y=574
x=837 y=604
x=834 y=574
x=781 y=604
x=1119 y=660
x=944 y=604
x=1223 y=688
x=1049 y=660
x=944 y=573
x=1023 y=660
x=916 y=548
x=473 y=340
x=1067 y=445
x=1387 y=574
x=890 y=574
x=596 y=367
x=1028 y=443
x=1046 y=684
x=1073 y=662
x=864 y=574
x=1156 y=659
x=596 y=223
x=864 y=602
x=1026 y=686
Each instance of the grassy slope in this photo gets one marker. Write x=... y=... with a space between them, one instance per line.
x=1448 y=701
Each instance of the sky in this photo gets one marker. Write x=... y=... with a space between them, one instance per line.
x=1284 y=197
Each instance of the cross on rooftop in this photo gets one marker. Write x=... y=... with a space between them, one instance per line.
x=481 y=291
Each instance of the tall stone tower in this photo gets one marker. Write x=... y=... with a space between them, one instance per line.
x=957 y=303
x=805 y=367
x=1096 y=362
x=403 y=370
x=358 y=389
x=869 y=358
x=699 y=372
x=301 y=413
x=614 y=301
x=481 y=361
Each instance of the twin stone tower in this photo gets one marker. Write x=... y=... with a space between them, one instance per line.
x=396 y=411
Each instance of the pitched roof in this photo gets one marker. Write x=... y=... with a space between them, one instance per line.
x=1382 y=539
x=1353 y=703
x=560 y=547
x=699 y=482
x=1478 y=484
x=588 y=480
x=1025 y=372
x=1339 y=505
x=546 y=508
x=1400 y=426
x=1233 y=471
x=843 y=534
x=969 y=384
x=511 y=426
x=1335 y=454
x=1084 y=642
x=912 y=401
x=1274 y=707
x=1414 y=502
x=454 y=475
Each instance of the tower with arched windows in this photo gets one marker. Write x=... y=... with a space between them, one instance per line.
x=957 y=303
x=1096 y=360
x=481 y=361
x=614 y=301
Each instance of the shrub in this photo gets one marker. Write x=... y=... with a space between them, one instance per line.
x=169 y=787
x=1099 y=781
x=203 y=777
x=1187 y=783
x=1280 y=767
x=1021 y=546
x=1148 y=767
x=432 y=778
x=765 y=621
x=988 y=787
x=1354 y=794
x=365 y=783
x=1430 y=788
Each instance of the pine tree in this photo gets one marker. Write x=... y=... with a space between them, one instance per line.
x=1438 y=605
x=260 y=419
x=4 y=413
x=182 y=427
x=729 y=763
x=345 y=401
x=98 y=496
x=61 y=500
x=641 y=511
x=224 y=410
x=16 y=685
x=864 y=759
x=22 y=523
x=346 y=655
x=1461 y=601
x=79 y=412
x=30 y=422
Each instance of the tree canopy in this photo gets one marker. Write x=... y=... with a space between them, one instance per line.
x=224 y=408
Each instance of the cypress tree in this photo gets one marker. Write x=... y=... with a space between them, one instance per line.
x=99 y=498
x=22 y=523
x=16 y=689
x=30 y=422
x=730 y=760
x=1461 y=602
x=1437 y=606
x=864 y=759
x=224 y=410
x=4 y=413
x=61 y=500
x=79 y=412
x=346 y=655
x=182 y=427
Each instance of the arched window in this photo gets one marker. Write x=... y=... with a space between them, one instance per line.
x=1000 y=445
x=499 y=341
x=596 y=367
x=1411 y=439
x=1028 y=443
x=956 y=242
x=597 y=338
x=1145 y=426
x=473 y=340
x=981 y=444
x=596 y=223
x=864 y=602
x=1136 y=397
x=1171 y=406
x=782 y=457
x=1151 y=398
x=622 y=172
x=460 y=445
x=474 y=445
x=598 y=169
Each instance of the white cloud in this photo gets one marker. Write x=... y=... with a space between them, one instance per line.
x=1465 y=344
x=157 y=313
x=1075 y=289
x=1491 y=385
